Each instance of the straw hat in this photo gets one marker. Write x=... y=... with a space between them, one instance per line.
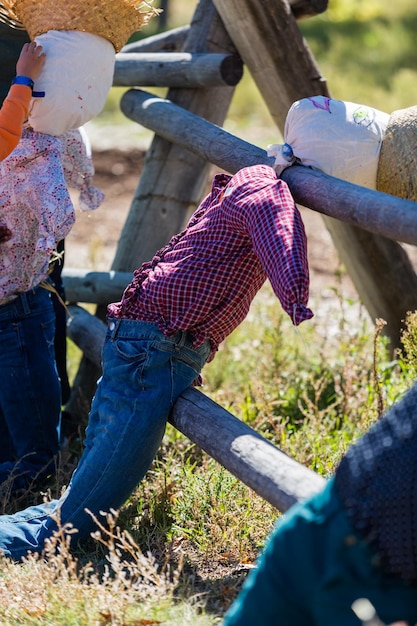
x=115 y=20
x=397 y=165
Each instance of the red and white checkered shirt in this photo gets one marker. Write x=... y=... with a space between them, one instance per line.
x=204 y=280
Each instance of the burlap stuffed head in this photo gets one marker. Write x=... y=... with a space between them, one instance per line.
x=397 y=165
x=115 y=20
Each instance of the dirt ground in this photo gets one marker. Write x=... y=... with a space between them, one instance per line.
x=93 y=240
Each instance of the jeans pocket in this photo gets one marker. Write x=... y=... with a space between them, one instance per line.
x=127 y=360
x=187 y=363
x=132 y=351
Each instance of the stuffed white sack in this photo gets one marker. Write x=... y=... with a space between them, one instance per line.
x=342 y=139
x=80 y=38
x=75 y=90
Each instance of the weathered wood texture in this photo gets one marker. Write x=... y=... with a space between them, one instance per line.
x=173 y=179
x=371 y=210
x=180 y=126
x=282 y=66
x=273 y=475
x=87 y=332
x=176 y=69
x=272 y=47
x=170 y=41
x=94 y=287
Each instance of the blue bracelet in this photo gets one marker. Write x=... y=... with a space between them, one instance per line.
x=23 y=80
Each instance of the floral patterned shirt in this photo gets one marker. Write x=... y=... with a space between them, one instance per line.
x=35 y=205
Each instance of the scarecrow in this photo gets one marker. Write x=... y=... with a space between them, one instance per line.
x=353 y=142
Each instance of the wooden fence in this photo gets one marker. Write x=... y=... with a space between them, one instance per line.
x=200 y=64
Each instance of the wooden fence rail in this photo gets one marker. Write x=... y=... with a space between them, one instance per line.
x=94 y=287
x=272 y=474
x=176 y=69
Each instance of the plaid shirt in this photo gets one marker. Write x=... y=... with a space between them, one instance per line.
x=204 y=280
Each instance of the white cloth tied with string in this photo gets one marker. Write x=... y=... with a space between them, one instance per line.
x=76 y=78
x=342 y=139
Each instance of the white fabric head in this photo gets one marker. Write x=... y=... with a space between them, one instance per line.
x=342 y=139
x=76 y=78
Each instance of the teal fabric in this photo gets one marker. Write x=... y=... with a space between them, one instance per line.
x=313 y=568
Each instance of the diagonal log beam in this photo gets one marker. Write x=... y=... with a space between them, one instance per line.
x=169 y=41
x=272 y=474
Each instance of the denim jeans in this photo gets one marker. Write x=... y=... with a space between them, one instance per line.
x=144 y=372
x=313 y=568
x=30 y=395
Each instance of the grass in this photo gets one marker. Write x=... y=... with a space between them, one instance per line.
x=184 y=542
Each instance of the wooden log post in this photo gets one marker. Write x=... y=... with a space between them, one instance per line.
x=274 y=51
x=272 y=47
x=177 y=69
x=173 y=178
x=373 y=211
x=183 y=128
x=273 y=475
x=87 y=332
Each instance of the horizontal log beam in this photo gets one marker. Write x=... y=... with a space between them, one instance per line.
x=176 y=69
x=83 y=285
x=273 y=475
x=371 y=210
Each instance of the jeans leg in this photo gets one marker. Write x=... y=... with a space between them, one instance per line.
x=60 y=340
x=30 y=398
x=142 y=378
x=143 y=374
x=6 y=447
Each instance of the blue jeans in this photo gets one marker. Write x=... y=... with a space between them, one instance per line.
x=30 y=394
x=313 y=568
x=144 y=372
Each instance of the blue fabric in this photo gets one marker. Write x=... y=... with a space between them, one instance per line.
x=144 y=372
x=30 y=394
x=313 y=568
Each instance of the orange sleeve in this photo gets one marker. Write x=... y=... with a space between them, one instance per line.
x=12 y=115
